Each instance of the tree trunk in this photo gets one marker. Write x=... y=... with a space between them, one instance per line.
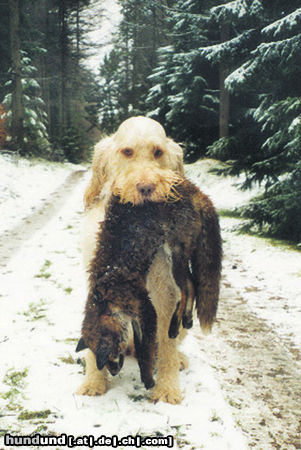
x=224 y=94
x=17 y=131
x=78 y=31
x=47 y=95
x=64 y=58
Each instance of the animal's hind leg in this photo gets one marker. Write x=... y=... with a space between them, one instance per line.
x=145 y=342
x=187 y=315
x=183 y=311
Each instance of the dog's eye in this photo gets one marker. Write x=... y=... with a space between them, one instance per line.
x=158 y=152
x=127 y=152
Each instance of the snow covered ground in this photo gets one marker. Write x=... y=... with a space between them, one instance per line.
x=24 y=186
x=41 y=303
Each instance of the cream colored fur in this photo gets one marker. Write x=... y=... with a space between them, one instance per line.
x=143 y=136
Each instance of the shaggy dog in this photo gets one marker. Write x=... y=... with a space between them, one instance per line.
x=139 y=163
x=128 y=240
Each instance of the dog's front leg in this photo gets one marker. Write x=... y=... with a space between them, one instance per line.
x=95 y=381
x=167 y=388
x=164 y=294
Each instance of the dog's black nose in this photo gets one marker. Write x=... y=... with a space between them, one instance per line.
x=146 y=189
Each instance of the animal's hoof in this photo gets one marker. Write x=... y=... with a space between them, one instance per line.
x=173 y=328
x=187 y=322
x=148 y=382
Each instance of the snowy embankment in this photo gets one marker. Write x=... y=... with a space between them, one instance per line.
x=42 y=299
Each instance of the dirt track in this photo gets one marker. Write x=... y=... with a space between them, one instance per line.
x=258 y=372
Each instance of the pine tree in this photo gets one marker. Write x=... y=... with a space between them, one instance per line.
x=35 y=136
x=183 y=95
x=17 y=108
x=51 y=33
x=124 y=72
x=269 y=148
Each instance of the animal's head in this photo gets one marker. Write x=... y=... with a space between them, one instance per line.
x=137 y=163
x=107 y=338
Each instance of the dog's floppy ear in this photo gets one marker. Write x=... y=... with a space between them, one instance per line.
x=81 y=345
x=104 y=350
x=102 y=152
x=176 y=156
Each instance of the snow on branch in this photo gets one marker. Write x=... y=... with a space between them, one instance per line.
x=265 y=58
x=289 y=23
x=229 y=49
x=237 y=9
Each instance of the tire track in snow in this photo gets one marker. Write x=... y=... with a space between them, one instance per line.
x=11 y=240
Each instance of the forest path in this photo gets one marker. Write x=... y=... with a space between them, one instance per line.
x=11 y=240
x=256 y=369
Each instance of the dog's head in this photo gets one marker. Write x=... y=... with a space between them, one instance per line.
x=137 y=163
x=108 y=339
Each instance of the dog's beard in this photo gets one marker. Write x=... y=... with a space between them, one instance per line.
x=165 y=182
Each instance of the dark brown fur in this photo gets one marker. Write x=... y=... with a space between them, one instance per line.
x=127 y=243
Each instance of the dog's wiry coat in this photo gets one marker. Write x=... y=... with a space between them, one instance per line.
x=112 y=169
x=127 y=243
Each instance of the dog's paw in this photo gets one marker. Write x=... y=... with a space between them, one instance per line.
x=183 y=361
x=92 y=388
x=167 y=394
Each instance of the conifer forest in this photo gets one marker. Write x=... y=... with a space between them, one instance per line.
x=222 y=77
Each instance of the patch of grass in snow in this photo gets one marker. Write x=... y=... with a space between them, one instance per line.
x=16 y=380
x=68 y=359
x=234 y=403
x=238 y=424
x=137 y=397
x=214 y=434
x=215 y=418
x=35 y=311
x=15 y=377
x=29 y=415
x=43 y=271
x=68 y=340
x=41 y=429
x=181 y=440
x=67 y=290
